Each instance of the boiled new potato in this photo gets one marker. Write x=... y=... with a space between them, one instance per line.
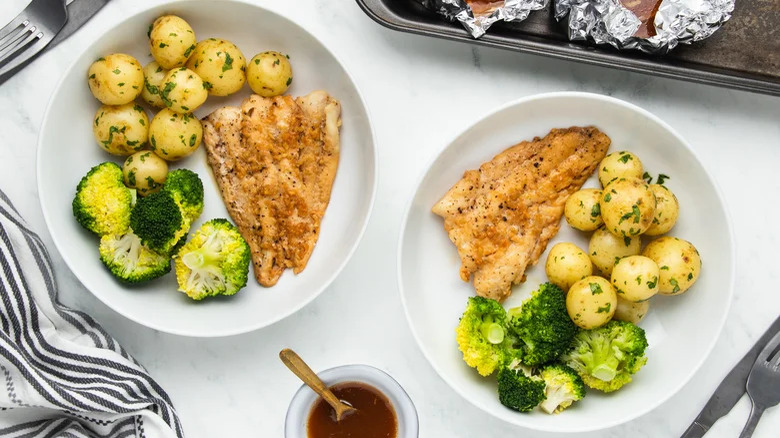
x=173 y=136
x=667 y=209
x=269 y=73
x=220 y=64
x=605 y=249
x=171 y=41
x=566 y=264
x=122 y=129
x=635 y=278
x=630 y=311
x=627 y=206
x=678 y=262
x=621 y=164
x=182 y=90
x=153 y=80
x=591 y=302
x=145 y=172
x=116 y=79
x=582 y=210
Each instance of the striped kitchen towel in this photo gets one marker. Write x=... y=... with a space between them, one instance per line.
x=61 y=374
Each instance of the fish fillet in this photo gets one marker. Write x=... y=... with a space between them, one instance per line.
x=501 y=216
x=275 y=159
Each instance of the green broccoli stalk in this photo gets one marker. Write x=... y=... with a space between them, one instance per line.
x=129 y=260
x=563 y=387
x=102 y=203
x=186 y=189
x=518 y=389
x=606 y=357
x=157 y=220
x=482 y=336
x=214 y=262
x=542 y=326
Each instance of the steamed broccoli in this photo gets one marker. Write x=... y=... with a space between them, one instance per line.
x=214 y=262
x=129 y=260
x=518 y=389
x=606 y=357
x=482 y=337
x=563 y=387
x=102 y=203
x=542 y=325
x=157 y=220
x=186 y=189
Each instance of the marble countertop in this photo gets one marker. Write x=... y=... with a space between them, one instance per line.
x=237 y=387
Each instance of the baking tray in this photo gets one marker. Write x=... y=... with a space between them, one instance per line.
x=744 y=54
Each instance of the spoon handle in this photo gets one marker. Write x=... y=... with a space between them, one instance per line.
x=309 y=377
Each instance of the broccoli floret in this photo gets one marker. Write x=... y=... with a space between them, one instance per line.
x=102 y=203
x=482 y=336
x=129 y=260
x=157 y=220
x=606 y=357
x=542 y=326
x=563 y=386
x=519 y=390
x=187 y=190
x=214 y=262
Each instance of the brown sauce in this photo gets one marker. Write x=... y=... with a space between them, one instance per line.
x=375 y=416
x=645 y=10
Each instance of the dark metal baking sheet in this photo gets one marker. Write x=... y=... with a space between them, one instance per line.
x=744 y=54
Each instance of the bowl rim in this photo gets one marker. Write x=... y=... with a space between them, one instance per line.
x=250 y=327
x=585 y=96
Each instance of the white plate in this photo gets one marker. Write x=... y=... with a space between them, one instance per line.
x=67 y=150
x=681 y=330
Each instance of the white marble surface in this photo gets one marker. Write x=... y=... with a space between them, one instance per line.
x=421 y=92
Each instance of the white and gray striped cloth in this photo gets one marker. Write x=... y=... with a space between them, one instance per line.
x=61 y=374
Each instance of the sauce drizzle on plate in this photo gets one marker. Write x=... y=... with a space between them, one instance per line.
x=375 y=416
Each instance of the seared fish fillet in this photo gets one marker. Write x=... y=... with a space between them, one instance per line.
x=501 y=216
x=274 y=160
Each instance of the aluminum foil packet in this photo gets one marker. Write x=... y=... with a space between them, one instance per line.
x=478 y=15
x=612 y=22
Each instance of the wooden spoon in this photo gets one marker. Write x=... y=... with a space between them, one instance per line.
x=299 y=367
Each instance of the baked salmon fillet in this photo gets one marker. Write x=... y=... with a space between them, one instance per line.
x=501 y=216
x=275 y=159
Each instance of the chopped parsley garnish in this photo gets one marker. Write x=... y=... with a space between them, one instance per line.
x=595 y=288
x=189 y=50
x=652 y=284
x=169 y=86
x=661 y=178
x=604 y=309
x=627 y=240
x=624 y=157
x=596 y=210
x=131 y=178
x=163 y=45
x=116 y=71
x=607 y=197
x=289 y=81
x=193 y=139
x=676 y=285
x=228 y=65
x=207 y=85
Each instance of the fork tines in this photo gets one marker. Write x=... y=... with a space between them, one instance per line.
x=19 y=37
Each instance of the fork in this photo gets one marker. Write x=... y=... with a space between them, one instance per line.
x=30 y=32
x=763 y=384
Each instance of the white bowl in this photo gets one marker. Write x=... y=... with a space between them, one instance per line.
x=681 y=330
x=303 y=400
x=67 y=150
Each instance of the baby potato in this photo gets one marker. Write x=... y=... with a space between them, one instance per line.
x=678 y=262
x=627 y=206
x=622 y=164
x=121 y=130
x=566 y=264
x=220 y=64
x=154 y=75
x=591 y=302
x=635 y=278
x=605 y=249
x=145 y=172
x=630 y=311
x=174 y=136
x=115 y=79
x=667 y=209
x=269 y=73
x=582 y=210
x=171 y=41
x=183 y=90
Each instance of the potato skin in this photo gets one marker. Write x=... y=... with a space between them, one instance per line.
x=220 y=64
x=630 y=311
x=591 y=302
x=627 y=206
x=678 y=262
x=566 y=264
x=667 y=209
x=269 y=74
x=122 y=129
x=173 y=136
x=635 y=278
x=605 y=249
x=115 y=79
x=621 y=164
x=145 y=172
x=171 y=41
x=153 y=80
x=182 y=90
x=583 y=211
